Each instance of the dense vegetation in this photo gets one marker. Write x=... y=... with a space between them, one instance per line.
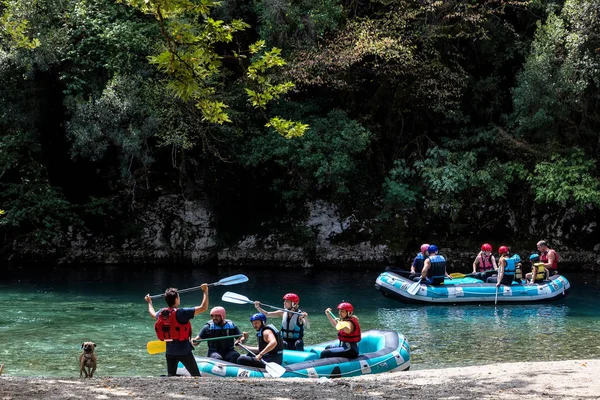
x=455 y=118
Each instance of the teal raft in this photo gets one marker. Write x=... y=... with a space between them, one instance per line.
x=471 y=290
x=380 y=351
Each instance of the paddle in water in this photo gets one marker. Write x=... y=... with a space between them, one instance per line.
x=231 y=280
x=274 y=369
x=236 y=298
x=159 y=346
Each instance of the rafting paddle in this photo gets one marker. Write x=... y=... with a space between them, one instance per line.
x=496 y=301
x=414 y=288
x=236 y=298
x=274 y=369
x=231 y=280
x=160 y=346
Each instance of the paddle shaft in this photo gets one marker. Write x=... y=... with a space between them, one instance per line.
x=236 y=298
x=225 y=281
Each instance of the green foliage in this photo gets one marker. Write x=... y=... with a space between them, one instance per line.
x=120 y=119
x=287 y=129
x=566 y=180
x=326 y=159
x=399 y=188
x=14 y=30
x=299 y=23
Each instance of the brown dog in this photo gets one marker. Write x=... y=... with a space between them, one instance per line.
x=88 y=360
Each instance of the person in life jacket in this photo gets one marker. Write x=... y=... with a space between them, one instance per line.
x=349 y=333
x=419 y=262
x=548 y=257
x=270 y=344
x=434 y=269
x=485 y=263
x=219 y=326
x=292 y=325
x=506 y=269
x=174 y=327
x=538 y=271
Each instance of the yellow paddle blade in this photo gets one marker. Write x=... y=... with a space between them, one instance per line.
x=457 y=275
x=156 y=346
x=342 y=325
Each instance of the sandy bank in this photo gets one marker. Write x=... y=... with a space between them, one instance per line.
x=573 y=379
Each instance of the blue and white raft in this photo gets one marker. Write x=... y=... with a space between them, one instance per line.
x=380 y=351
x=471 y=290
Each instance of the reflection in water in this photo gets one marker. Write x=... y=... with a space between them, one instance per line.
x=52 y=312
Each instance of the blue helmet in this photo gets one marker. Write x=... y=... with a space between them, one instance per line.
x=432 y=249
x=257 y=316
x=534 y=257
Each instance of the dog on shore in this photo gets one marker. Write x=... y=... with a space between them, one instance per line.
x=87 y=360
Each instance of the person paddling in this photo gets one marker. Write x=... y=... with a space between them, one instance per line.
x=349 y=333
x=292 y=325
x=174 y=327
x=270 y=344
x=219 y=326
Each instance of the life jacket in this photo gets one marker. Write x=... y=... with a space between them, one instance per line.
x=437 y=271
x=419 y=262
x=541 y=271
x=485 y=263
x=169 y=329
x=353 y=337
x=510 y=269
x=277 y=352
x=214 y=331
x=290 y=329
x=544 y=259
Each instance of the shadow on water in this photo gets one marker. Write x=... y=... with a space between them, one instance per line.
x=53 y=310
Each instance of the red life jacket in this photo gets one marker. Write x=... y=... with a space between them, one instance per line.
x=544 y=259
x=485 y=264
x=168 y=328
x=353 y=337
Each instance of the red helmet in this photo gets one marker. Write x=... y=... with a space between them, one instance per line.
x=424 y=247
x=503 y=250
x=346 y=306
x=218 y=311
x=293 y=297
x=486 y=247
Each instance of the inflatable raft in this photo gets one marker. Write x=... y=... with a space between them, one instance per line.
x=471 y=290
x=380 y=351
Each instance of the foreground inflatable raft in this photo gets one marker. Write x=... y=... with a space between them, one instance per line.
x=380 y=351
x=471 y=290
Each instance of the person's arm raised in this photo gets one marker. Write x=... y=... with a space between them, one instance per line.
x=150 y=306
x=204 y=306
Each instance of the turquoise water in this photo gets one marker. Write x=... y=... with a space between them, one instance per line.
x=49 y=313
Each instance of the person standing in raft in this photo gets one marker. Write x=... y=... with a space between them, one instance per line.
x=484 y=263
x=418 y=263
x=218 y=326
x=434 y=269
x=506 y=269
x=292 y=325
x=270 y=344
x=349 y=333
x=174 y=327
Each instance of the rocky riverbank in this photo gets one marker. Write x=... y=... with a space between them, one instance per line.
x=571 y=379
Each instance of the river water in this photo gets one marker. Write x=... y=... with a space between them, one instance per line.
x=47 y=313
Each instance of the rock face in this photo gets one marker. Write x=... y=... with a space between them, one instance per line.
x=175 y=230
